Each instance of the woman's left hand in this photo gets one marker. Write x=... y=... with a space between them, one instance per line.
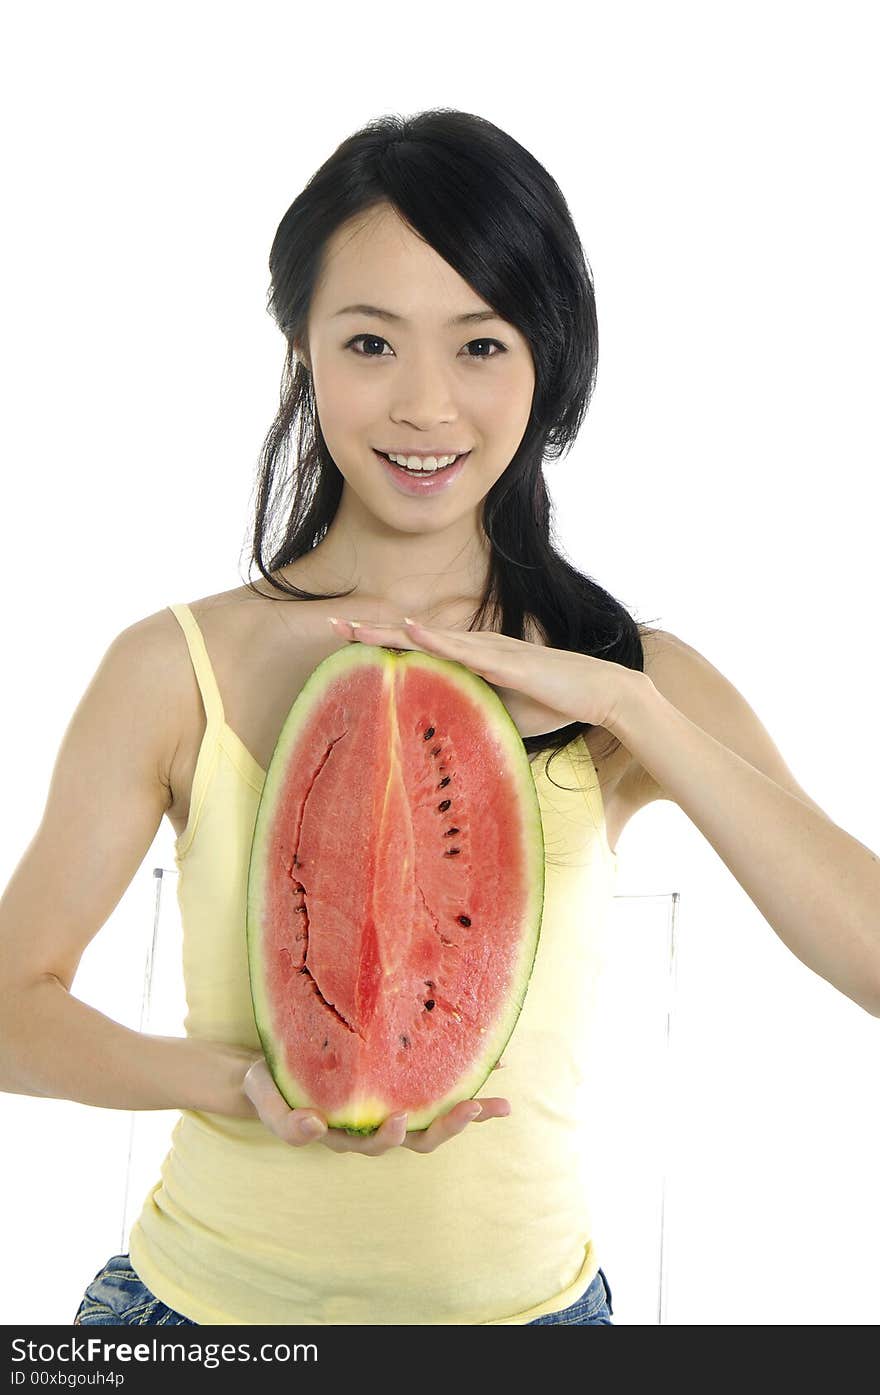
x=543 y=689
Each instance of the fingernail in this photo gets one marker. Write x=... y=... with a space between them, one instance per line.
x=312 y=1127
x=475 y=1113
x=333 y=619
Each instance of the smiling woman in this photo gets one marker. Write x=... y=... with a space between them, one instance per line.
x=445 y=546
x=382 y=299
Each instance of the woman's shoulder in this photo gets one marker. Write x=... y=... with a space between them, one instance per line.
x=224 y=620
x=222 y=613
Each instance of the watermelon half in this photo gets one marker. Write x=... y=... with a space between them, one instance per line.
x=395 y=888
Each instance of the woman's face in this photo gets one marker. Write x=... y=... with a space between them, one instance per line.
x=419 y=382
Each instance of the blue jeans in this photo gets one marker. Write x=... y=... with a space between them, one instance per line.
x=592 y=1309
x=116 y=1295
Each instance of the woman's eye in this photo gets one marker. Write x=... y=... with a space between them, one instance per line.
x=370 y=339
x=376 y=339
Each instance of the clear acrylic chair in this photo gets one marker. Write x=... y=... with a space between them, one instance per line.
x=629 y=1094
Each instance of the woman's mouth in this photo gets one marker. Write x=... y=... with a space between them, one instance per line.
x=427 y=482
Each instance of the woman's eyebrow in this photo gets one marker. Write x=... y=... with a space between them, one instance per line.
x=380 y=314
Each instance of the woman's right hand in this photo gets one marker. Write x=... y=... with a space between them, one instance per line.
x=291 y=1124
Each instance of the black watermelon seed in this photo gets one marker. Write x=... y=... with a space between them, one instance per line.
x=430 y=1004
x=450 y=831
x=464 y=920
x=444 y=805
x=436 y=751
x=405 y=1040
x=452 y=852
x=444 y=781
x=326 y=1043
x=429 y=733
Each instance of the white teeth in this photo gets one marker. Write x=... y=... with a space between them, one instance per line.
x=424 y=466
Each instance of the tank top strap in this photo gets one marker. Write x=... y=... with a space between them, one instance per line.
x=203 y=667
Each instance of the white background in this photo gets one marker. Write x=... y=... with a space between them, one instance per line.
x=720 y=164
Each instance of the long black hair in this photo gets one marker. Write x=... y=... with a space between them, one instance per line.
x=513 y=240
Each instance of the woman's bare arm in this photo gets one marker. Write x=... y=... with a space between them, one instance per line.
x=108 y=794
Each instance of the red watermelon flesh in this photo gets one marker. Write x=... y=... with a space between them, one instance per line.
x=395 y=888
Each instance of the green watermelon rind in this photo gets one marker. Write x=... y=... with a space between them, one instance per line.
x=501 y=725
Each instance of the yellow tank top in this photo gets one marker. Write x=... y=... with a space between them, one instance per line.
x=494 y=1227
